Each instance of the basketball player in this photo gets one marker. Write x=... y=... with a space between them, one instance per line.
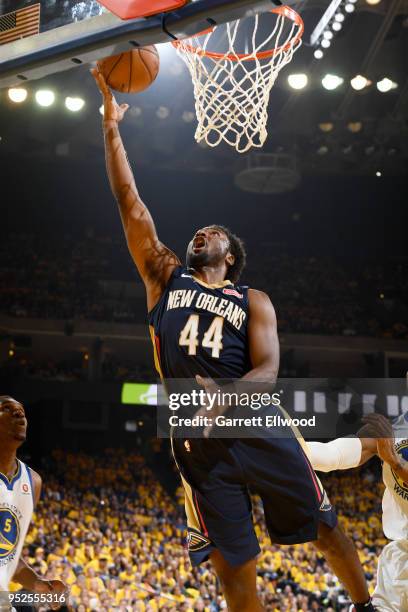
x=20 y=489
x=203 y=324
x=390 y=443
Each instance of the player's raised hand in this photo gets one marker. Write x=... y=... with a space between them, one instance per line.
x=112 y=110
x=380 y=428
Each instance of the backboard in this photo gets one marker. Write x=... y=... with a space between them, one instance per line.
x=75 y=32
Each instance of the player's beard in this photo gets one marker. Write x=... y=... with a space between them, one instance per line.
x=199 y=260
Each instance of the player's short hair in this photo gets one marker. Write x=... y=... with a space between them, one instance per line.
x=237 y=249
x=6 y=398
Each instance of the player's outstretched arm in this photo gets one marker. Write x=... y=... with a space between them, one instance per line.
x=154 y=261
x=340 y=454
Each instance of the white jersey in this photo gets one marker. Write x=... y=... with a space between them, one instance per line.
x=16 y=509
x=395 y=500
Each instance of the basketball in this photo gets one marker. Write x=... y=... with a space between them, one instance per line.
x=133 y=71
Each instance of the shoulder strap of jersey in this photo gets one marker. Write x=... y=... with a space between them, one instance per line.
x=30 y=478
x=243 y=290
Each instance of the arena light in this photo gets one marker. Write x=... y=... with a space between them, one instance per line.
x=386 y=85
x=359 y=82
x=373 y=2
x=74 y=104
x=102 y=110
x=298 y=81
x=326 y=127
x=318 y=54
x=188 y=116
x=331 y=82
x=45 y=97
x=355 y=126
x=17 y=94
x=331 y=22
x=325 y=20
x=135 y=111
x=162 y=112
x=322 y=150
x=378 y=174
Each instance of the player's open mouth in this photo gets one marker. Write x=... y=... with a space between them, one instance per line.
x=199 y=243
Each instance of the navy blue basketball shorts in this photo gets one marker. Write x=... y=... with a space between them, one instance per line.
x=217 y=475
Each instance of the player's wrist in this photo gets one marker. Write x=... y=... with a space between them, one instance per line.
x=109 y=123
x=396 y=464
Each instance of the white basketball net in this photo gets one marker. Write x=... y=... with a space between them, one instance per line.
x=232 y=95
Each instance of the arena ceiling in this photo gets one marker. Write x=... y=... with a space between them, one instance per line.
x=314 y=131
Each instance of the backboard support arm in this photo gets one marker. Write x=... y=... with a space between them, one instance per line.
x=87 y=41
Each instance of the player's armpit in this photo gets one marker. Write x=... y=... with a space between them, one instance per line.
x=263 y=338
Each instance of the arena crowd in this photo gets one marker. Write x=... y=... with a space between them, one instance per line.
x=93 y=278
x=107 y=527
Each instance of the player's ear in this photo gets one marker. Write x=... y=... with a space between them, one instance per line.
x=230 y=259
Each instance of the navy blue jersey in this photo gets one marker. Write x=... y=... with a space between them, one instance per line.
x=200 y=329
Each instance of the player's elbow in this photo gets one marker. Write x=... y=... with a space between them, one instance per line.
x=273 y=372
x=267 y=373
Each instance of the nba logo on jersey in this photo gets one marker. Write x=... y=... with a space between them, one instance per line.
x=227 y=291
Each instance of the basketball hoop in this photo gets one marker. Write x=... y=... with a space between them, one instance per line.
x=232 y=89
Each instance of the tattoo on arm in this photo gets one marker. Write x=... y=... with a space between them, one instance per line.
x=154 y=260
